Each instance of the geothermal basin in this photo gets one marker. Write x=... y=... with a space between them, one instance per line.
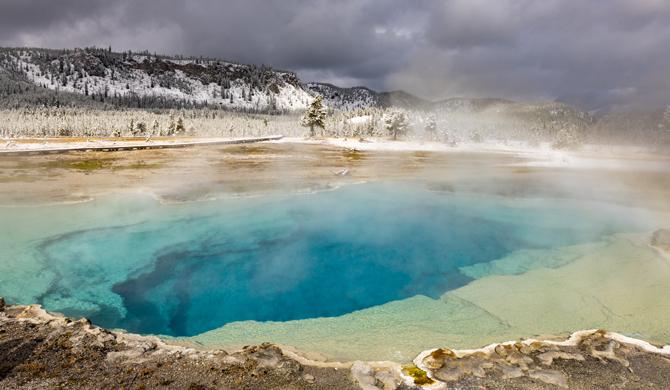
x=407 y=251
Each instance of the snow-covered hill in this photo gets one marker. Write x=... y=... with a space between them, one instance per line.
x=345 y=98
x=146 y=81
x=94 y=76
x=361 y=97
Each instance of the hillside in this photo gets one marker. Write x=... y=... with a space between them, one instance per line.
x=346 y=98
x=639 y=126
x=98 y=77
x=150 y=81
x=95 y=78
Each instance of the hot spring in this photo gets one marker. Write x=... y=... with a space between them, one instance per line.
x=383 y=262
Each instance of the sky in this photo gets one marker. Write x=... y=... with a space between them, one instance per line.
x=593 y=52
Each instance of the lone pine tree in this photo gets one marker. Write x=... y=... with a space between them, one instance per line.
x=315 y=116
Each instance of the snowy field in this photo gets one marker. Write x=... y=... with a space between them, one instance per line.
x=64 y=145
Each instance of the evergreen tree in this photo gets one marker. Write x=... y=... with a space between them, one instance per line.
x=155 y=127
x=140 y=129
x=315 y=116
x=396 y=123
x=568 y=137
x=431 y=126
x=172 y=126
x=180 y=128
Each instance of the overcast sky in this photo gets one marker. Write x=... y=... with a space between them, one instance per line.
x=614 y=50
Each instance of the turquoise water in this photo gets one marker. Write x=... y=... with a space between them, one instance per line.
x=183 y=269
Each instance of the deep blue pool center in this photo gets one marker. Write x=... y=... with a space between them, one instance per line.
x=196 y=267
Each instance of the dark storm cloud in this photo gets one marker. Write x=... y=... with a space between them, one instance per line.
x=616 y=50
x=338 y=38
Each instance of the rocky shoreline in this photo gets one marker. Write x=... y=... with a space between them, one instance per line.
x=41 y=350
x=591 y=359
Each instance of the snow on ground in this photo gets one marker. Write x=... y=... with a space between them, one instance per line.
x=360 y=120
x=52 y=145
x=539 y=156
x=138 y=82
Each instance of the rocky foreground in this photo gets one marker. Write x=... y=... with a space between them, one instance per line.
x=40 y=350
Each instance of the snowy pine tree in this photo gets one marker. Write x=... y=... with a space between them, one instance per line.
x=431 y=126
x=315 y=116
x=180 y=128
x=155 y=128
x=140 y=129
x=568 y=137
x=396 y=123
x=172 y=126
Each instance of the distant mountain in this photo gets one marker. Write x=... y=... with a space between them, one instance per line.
x=403 y=99
x=468 y=104
x=591 y=102
x=100 y=78
x=147 y=81
x=634 y=126
x=363 y=97
x=345 y=98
